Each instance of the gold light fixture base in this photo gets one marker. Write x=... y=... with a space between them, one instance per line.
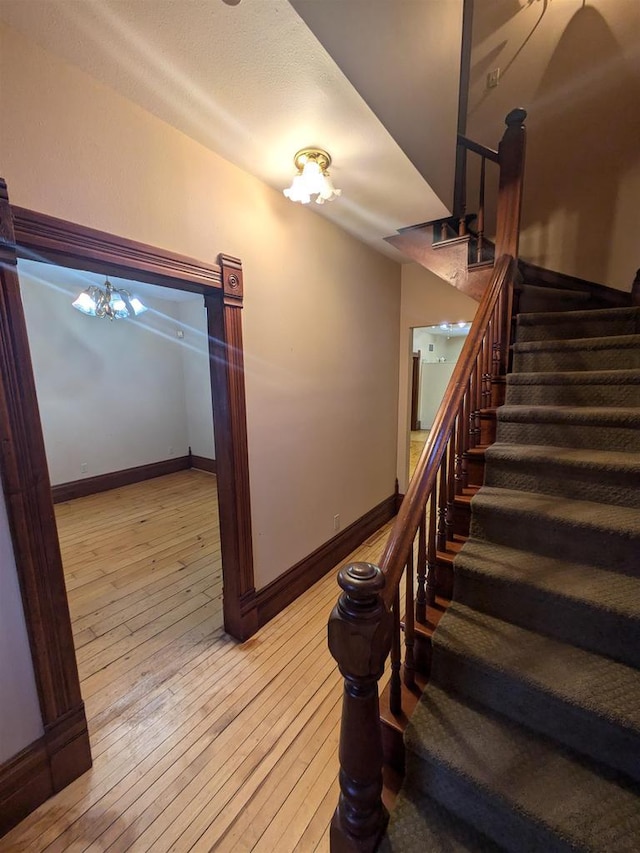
x=322 y=158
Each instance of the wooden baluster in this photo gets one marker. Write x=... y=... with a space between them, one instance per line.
x=409 y=625
x=471 y=410
x=451 y=483
x=460 y=458
x=460 y=189
x=480 y=245
x=465 y=436
x=359 y=640
x=421 y=592
x=432 y=551
x=478 y=400
x=442 y=504
x=499 y=335
x=487 y=352
x=395 y=693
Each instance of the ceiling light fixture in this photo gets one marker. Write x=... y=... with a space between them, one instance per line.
x=112 y=302
x=312 y=183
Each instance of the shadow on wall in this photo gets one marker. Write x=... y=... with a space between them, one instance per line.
x=495 y=16
x=584 y=135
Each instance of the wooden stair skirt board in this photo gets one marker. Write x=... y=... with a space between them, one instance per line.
x=127 y=476
x=274 y=597
x=44 y=767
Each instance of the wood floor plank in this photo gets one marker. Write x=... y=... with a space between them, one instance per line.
x=199 y=742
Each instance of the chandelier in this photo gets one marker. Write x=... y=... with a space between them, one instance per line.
x=112 y=302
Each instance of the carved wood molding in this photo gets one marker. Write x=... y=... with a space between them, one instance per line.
x=72 y=245
x=232 y=461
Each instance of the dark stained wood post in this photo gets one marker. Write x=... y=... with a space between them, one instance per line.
x=226 y=363
x=511 y=153
x=63 y=752
x=359 y=640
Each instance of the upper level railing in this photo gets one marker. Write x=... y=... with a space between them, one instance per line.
x=365 y=625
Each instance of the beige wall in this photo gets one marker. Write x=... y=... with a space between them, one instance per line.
x=426 y=301
x=575 y=67
x=321 y=314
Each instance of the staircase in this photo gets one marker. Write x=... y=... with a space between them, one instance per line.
x=527 y=736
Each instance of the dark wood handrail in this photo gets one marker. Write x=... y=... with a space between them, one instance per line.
x=478 y=148
x=406 y=524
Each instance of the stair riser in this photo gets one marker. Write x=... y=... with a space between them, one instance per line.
x=570 y=621
x=576 y=483
x=547 y=714
x=572 y=330
x=622 y=358
x=444 y=579
x=513 y=830
x=530 y=303
x=580 y=544
x=578 y=436
x=475 y=471
x=618 y=396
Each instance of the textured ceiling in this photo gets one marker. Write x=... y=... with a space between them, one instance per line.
x=253 y=83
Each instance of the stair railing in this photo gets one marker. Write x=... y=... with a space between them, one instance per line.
x=510 y=159
x=365 y=625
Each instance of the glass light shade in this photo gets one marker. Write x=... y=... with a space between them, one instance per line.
x=85 y=303
x=298 y=191
x=312 y=181
x=111 y=302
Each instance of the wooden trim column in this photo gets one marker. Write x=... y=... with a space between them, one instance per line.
x=27 y=493
x=226 y=361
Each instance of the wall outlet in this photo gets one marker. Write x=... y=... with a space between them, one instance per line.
x=84 y=467
x=493 y=78
x=336 y=522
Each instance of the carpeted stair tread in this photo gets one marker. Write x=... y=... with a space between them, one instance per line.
x=577 y=530
x=596 y=608
x=564 y=325
x=573 y=377
x=617 y=428
x=561 y=317
x=519 y=788
x=584 y=700
x=558 y=345
x=606 y=353
x=596 y=415
x=613 y=388
x=600 y=475
x=419 y=824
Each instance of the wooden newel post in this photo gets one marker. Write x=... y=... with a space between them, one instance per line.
x=511 y=153
x=359 y=640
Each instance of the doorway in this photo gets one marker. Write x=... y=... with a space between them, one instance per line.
x=436 y=350
x=125 y=406
x=63 y=751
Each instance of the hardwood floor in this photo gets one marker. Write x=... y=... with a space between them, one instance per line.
x=199 y=743
x=418 y=438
